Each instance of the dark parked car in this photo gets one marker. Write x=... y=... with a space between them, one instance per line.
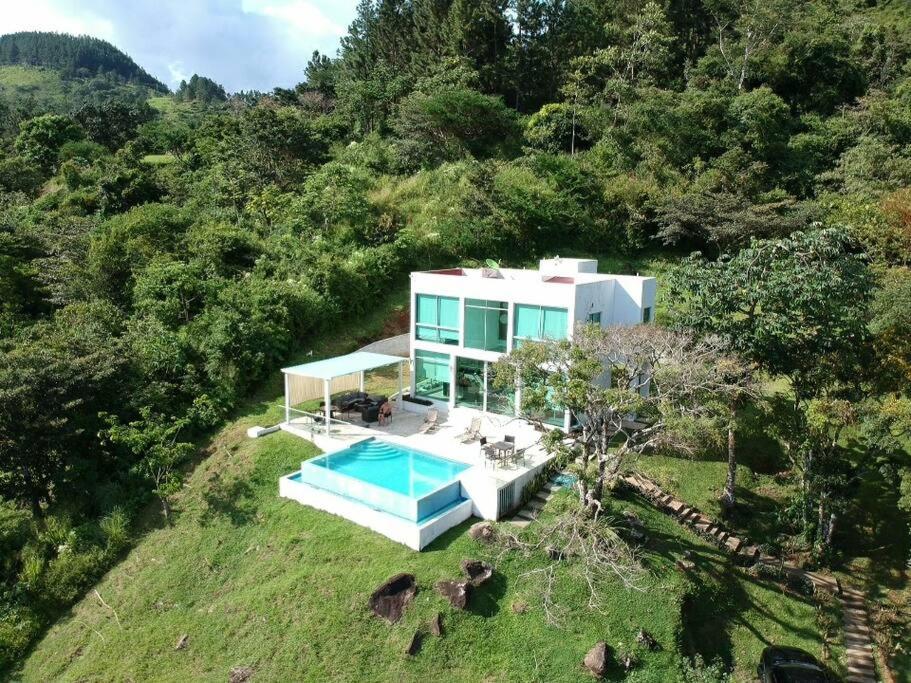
x=791 y=665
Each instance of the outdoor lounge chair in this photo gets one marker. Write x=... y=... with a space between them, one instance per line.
x=430 y=422
x=473 y=433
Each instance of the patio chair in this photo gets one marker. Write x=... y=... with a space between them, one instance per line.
x=430 y=422
x=487 y=452
x=473 y=433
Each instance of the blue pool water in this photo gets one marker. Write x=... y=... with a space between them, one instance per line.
x=389 y=466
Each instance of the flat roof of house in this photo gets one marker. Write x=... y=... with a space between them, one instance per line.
x=522 y=275
x=338 y=366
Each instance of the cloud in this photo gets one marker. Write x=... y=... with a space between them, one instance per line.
x=242 y=44
x=298 y=14
x=43 y=15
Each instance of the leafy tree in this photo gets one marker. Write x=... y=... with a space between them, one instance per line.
x=797 y=307
x=52 y=384
x=452 y=123
x=41 y=138
x=200 y=89
x=112 y=123
x=891 y=329
x=155 y=440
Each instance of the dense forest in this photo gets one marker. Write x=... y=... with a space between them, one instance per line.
x=156 y=263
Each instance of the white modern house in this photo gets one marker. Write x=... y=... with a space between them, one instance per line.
x=411 y=482
x=464 y=319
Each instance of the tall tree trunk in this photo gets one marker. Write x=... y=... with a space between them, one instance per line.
x=37 y=510
x=727 y=495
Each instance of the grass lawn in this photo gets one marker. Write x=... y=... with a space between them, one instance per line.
x=258 y=581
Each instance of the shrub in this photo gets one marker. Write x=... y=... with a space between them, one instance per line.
x=18 y=627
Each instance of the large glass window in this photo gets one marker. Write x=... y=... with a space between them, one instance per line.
x=469 y=383
x=486 y=324
x=537 y=323
x=431 y=375
x=499 y=401
x=437 y=319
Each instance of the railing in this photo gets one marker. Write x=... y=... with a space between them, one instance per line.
x=506 y=499
x=315 y=423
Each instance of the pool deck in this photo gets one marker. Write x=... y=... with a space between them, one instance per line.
x=483 y=483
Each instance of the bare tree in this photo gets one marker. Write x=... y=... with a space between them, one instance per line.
x=632 y=390
x=744 y=28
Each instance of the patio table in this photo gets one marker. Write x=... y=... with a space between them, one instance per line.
x=503 y=446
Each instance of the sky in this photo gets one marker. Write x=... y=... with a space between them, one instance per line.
x=242 y=44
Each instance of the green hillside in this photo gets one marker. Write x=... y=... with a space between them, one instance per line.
x=74 y=56
x=160 y=260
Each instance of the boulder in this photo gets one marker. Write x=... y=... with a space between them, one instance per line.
x=392 y=597
x=454 y=591
x=414 y=646
x=436 y=625
x=477 y=572
x=596 y=660
x=240 y=674
x=686 y=565
x=483 y=531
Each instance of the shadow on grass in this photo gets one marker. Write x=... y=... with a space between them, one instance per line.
x=485 y=600
x=234 y=501
x=716 y=598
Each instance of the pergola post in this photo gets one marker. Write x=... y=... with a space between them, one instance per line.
x=327 y=405
x=361 y=381
x=401 y=385
x=287 y=398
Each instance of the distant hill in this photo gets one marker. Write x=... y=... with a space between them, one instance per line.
x=74 y=57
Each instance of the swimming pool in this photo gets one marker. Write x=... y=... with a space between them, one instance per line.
x=388 y=477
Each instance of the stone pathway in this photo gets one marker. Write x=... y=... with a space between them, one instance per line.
x=858 y=645
x=533 y=507
x=857 y=634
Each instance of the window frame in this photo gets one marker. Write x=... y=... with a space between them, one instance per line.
x=437 y=331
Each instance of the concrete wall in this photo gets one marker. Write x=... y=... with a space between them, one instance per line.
x=415 y=536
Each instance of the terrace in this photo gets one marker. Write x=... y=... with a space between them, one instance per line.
x=390 y=474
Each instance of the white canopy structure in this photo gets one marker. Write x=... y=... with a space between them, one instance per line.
x=325 y=377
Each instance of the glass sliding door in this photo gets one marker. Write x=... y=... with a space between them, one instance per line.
x=437 y=319
x=431 y=375
x=486 y=324
x=469 y=383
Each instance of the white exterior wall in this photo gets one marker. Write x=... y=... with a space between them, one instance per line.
x=619 y=298
x=631 y=295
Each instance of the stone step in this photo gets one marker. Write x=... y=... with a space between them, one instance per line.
x=733 y=544
x=856 y=629
x=859 y=639
x=536 y=504
x=861 y=667
x=553 y=488
x=855 y=678
x=543 y=497
x=521 y=523
x=859 y=652
x=525 y=513
x=676 y=506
